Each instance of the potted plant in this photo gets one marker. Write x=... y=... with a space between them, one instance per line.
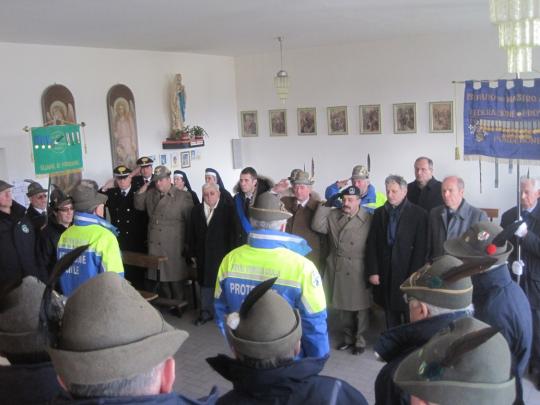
x=198 y=132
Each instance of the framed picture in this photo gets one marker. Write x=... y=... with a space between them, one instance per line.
x=307 y=121
x=278 y=122
x=441 y=116
x=163 y=160
x=337 y=120
x=370 y=119
x=175 y=160
x=404 y=118
x=250 y=125
x=185 y=159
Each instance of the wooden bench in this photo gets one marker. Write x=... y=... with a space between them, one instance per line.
x=492 y=213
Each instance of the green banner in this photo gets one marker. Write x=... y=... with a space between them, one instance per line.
x=57 y=149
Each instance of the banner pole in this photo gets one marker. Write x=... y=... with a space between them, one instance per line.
x=518 y=206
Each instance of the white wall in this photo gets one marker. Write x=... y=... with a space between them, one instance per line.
x=407 y=70
x=26 y=70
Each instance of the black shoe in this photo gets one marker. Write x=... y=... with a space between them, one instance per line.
x=357 y=351
x=344 y=346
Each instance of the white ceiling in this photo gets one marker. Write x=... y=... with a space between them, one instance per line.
x=231 y=27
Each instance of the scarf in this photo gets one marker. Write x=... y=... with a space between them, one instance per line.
x=84 y=219
x=268 y=239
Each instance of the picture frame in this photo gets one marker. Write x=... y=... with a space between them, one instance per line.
x=250 y=124
x=370 y=119
x=404 y=118
x=277 y=120
x=441 y=116
x=337 y=120
x=163 y=159
x=306 y=119
x=185 y=159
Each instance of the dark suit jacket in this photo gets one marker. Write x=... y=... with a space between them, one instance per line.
x=38 y=220
x=428 y=197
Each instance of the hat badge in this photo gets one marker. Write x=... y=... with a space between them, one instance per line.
x=122 y=169
x=483 y=236
x=351 y=190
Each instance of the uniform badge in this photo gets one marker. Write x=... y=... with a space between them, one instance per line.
x=24 y=228
x=316 y=279
x=482 y=236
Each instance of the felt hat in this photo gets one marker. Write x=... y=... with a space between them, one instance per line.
x=359 y=172
x=302 y=177
x=35 y=188
x=293 y=174
x=445 y=283
x=86 y=198
x=19 y=318
x=466 y=363
x=480 y=241
x=109 y=332
x=351 y=190
x=266 y=327
x=121 y=171
x=268 y=207
x=144 y=161
x=59 y=199
x=4 y=185
x=161 y=172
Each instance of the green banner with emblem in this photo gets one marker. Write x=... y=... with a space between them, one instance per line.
x=57 y=149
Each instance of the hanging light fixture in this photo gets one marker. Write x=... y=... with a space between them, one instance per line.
x=281 y=80
x=518 y=22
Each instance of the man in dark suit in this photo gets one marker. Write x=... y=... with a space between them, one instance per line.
x=396 y=248
x=37 y=210
x=144 y=168
x=425 y=190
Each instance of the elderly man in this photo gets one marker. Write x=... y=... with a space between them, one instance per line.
x=265 y=339
x=452 y=219
x=425 y=191
x=497 y=300
x=360 y=180
x=303 y=206
x=169 y=211
x=114 y=347
x=144 y=168
x=283 y=188
x=345 y=282
x=271 y=252
x=89 y=228
x=37 y=210
x=432 y=307
x=467 y=364
x=396 y=248
x=213 y=233
x=529 y=240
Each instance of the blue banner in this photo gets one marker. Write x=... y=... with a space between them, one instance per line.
x=502 y=122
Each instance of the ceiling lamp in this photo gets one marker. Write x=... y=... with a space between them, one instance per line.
x=519 y=30
x=281 y=80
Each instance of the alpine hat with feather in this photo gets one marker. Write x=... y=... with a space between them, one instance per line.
x=268 y=207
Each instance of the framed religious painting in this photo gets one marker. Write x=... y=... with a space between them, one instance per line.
x=185 y=159
x=250 y=124
x=278 y=122
x=441 y=116
x=370 y=119
x=307 y=121
x=405 y=118
x=337 y=120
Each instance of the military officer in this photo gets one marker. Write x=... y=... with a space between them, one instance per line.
x=144 y=172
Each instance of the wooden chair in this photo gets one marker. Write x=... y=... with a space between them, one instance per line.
x=492 y=213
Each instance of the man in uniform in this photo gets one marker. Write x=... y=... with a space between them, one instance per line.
x=144 y=165
x=37 y=210
x=425 y=190
x=360 y=180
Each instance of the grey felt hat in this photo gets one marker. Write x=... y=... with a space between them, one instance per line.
x=293 y=174
x=466 y=363
x=478 y=242
x=35 y=188
x=302 y=178
x=4 y=185
x=19 y=318
x=269 y=329
x=359 y=172
x=86 y=198
x=160 y=172
x=109 y=332
x=268 y=207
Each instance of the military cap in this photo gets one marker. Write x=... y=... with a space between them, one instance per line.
x=293 y=174
x=121 y=171
x=359 y=172
x=86 y=198
x=35 y=188
x=161 y=172
x=480 y=241
x=351 y=190
x=4 y=185
x=144 y=161
x=268 y=207
x=110 y=332
x=266 y=326
x=468 y=362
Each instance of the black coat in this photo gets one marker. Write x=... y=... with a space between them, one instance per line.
x=210 y=243
x=395 y=264
x=428 y=197
x=297 y=382
x=530 y=253
x=48 y=242
x=38 y=220
x=19 y=255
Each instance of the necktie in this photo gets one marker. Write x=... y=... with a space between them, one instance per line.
x=145 y=181
x=123 y=193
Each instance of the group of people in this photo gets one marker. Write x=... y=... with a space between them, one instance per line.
x=421 y=240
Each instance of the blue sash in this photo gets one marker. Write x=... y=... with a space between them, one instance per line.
x=267 y=239
x=84 y=219
x=239 y=204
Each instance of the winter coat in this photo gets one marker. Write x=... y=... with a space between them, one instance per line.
x=300 y=224
x=39 y=220
x=48 y=243
x=394 y=264
x=168 y=220
x=344 y=278
x=428 y=197
x=465 y=216
x=297 y=382
x=210 y=243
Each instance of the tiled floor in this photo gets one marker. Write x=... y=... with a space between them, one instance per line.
x=194 y=377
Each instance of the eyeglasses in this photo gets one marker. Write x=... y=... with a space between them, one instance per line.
x=66 y=209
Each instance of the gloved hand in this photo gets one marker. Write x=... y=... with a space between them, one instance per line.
x=517 y=267
x=521 y=231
